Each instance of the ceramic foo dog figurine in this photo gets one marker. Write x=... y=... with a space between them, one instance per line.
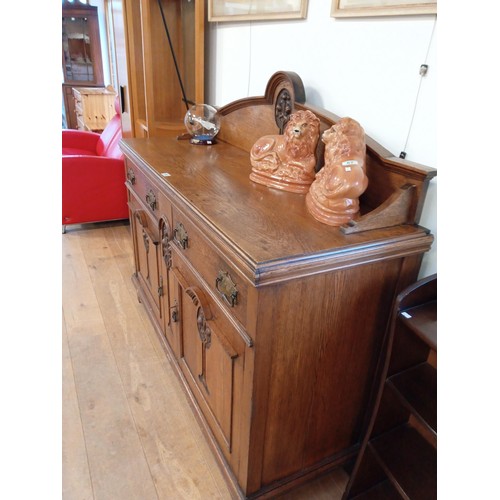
x=288 y=161
x=333 y=197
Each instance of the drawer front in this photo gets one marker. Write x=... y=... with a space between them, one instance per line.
x=211 y=264
x=78 y=108
x=147 y=192
x=143 y=188
x=80 y=123
x=211 y=358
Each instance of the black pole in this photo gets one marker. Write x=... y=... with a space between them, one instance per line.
x=173 y=56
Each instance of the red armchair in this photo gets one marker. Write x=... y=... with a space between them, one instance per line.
x=93 y=175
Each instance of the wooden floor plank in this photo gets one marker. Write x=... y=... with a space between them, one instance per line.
x=119 y=239
x=116 y=459
x=164 y=422
x=76 y=483
x=142 y=439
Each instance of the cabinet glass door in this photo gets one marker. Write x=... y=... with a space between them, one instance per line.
x=81 y=45
x=78 y=63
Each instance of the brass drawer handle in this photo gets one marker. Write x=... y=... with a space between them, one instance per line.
x=131 y=176
x=180 y=235
x=227 y=288
x=151 y=199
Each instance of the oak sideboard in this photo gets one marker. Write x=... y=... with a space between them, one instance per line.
x=273 y=321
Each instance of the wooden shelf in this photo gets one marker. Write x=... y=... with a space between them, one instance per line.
x=409 y=461
x=422 y=321
x=417 y=389
x=382 y=491
x=148 y=76
x=400 y=443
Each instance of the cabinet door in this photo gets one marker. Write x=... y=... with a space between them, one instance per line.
x=211 y=358
x=82 y=61
x=146 y=241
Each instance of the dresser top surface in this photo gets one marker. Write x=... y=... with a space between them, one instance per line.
x=262 y=223
x=93 y=91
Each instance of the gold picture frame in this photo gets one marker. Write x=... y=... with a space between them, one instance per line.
x=369 y=8
x=256 y=10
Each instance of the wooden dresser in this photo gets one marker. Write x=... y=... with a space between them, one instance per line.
x=94 y=107
x=273 y=321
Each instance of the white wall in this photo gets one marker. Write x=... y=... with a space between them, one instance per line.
x=364 y=68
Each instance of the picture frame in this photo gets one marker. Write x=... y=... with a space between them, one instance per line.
x=370 y=8
x=256 y=10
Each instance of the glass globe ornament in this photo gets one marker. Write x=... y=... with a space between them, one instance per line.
x=203 y=124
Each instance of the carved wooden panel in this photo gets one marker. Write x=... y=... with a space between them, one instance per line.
x=208 y=359
x=146 y=242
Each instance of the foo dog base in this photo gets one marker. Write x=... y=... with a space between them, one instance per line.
x=332 y=217
x=300 y=187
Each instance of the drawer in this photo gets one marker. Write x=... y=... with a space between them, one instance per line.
x=147 y=192
x=210 y=262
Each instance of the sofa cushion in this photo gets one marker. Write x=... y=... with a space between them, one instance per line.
x=77 y=152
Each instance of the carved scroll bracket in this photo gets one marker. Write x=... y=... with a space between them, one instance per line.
x=391 y=213
x=203 y=314
x=284 y=89
x=283 y=109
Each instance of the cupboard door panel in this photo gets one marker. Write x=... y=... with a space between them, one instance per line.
x=146 y=240
x=218 y=379
x=209 y=361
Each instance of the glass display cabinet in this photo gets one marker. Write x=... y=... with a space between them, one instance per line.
x=82 y=63
x=81 y=52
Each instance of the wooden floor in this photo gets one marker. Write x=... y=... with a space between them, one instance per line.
x=128 y=430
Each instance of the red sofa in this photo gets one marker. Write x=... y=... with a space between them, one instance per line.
x=93 y=175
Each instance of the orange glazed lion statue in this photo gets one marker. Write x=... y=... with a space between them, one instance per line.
x=287 y=161
x=333 y=197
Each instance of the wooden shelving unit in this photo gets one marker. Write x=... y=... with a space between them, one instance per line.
x=398 y=456
x=148 y=84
